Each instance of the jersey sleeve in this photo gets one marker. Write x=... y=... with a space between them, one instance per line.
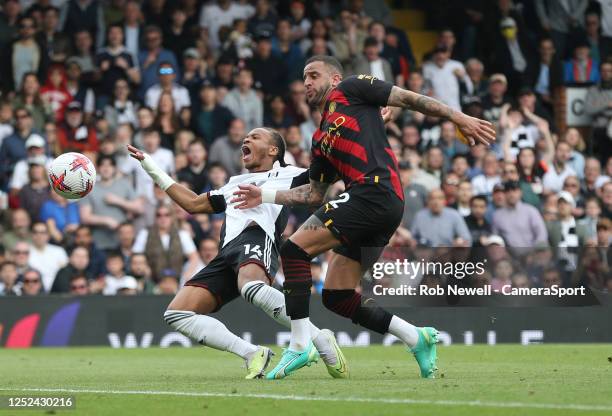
x=366 y=89
x=320 y=169
x=301 y=179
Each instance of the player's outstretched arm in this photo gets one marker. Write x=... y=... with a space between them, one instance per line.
x=311 y=194
x=183 y=196
x=474 y=129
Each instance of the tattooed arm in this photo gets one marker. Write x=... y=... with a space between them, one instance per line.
x=475 y=130
x=312 y=194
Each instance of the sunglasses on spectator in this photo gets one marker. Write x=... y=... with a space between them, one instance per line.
x=166 y=71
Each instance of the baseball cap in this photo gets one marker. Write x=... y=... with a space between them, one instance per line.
x=498 y=78
x=191 y=53
x=507 y=22
x=73 y=60
x=494 y=240
x=35 y=140
x=567 y=197
x=263 y=35
x=74 y=106
x=498 y=187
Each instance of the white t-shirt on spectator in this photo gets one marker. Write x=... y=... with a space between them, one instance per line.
x=553 y=180
x=144 y=184
x=187 y=243
x=112 y=284
x=180 y=96
x=444 y=82
x=20 y=177
x=212 y=17
x=483 y=185
x=376 y=69
x=523 y=136
x=48 y=261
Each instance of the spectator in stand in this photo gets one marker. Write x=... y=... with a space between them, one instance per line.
x=47 y=258
x=115 y=62
x=166 y=246
x=24 y=55
x=195 y=71
x=598 y=105
x=478 y=86
x=439 y=226
x=166 y=122
x=496 y=99
x=139 y=268
x=211 y=120
x=177 y=34
x=445 y=74
x=29 y=97
x=559 y=169
x=112 y=201
x=221 y=13
x=195 y=173
x=116 y=279
x=19 y=229
x=606 y=199
x=268 y=70
x=84 y=55
x=167 y=76
x=79 y=286
x=164 y=158
x=32 y=196
x=582 y=68
x=264 y=19
x=78 y=263
x=519 y=224
x=121 y=109
x=13 y=148
x=73 y=134
x=371 y=63
x=77 y=88
x=35 y=150
x=483 y=184
x=244 y=102
x=61 y=216
x=87 y=15
x=151 y=58
x=565 y=232
x=573 y=137
x=32 y=283
x=510 y=173
x=54 y=93
x=300 y=24
x=126 y=234
x=9 y=21
x=97 y=258
x=593 y=179
x=8 y=279
x=227 y=150
x=592 y=27
x=132 y=26
x=21 y=256
x=476 y=221
x=549 y=74
x=284 y=46
x=560 y=19
x=168 y=283
x=463 y=195
x=514 y=55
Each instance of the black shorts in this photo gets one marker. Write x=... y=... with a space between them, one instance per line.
x=363 y=218
x=220 y=276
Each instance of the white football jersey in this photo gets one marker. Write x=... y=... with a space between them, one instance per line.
x=268 y=216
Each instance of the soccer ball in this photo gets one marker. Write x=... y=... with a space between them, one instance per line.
x=72 y=175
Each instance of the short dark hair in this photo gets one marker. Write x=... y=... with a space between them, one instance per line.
x=479 y=198
x=370 y=41
x=103 y=158
x=279 y=142
x=114 y=254
x=327 y=60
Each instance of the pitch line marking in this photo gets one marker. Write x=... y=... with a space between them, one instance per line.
x=471 y=403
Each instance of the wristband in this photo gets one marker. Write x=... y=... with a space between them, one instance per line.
x=268 y=196
x=217 y=202
x=159 y=176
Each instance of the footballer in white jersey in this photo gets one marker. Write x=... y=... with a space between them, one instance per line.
x=248 y=257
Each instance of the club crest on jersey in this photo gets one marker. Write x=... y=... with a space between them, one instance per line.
x=332 y=107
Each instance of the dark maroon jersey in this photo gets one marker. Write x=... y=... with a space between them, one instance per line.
x=350 y=142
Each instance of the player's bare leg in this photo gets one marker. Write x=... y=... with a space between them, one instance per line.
x=187 y=313
x=255 y=288
x=339 y=295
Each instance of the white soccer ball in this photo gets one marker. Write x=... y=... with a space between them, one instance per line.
x=72 y=175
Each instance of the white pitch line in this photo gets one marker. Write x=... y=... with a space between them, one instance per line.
x=471 y=403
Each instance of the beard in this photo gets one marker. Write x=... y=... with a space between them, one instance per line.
x=319 y=96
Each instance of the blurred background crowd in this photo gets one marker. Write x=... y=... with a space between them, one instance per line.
x=185 y=80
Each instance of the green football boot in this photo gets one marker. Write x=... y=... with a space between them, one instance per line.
x=292 y=361
x=425 y=351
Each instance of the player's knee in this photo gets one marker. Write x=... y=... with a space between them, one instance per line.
x=343 y=302
x=290 y=250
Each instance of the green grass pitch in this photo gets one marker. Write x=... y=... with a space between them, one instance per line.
x=474 y=380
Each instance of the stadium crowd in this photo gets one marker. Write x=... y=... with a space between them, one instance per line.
x=185 y=80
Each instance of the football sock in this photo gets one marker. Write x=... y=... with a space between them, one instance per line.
x=208 y=331
x=403 y=330
x=348 y=303
x=272 y=302
x=296 y=288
